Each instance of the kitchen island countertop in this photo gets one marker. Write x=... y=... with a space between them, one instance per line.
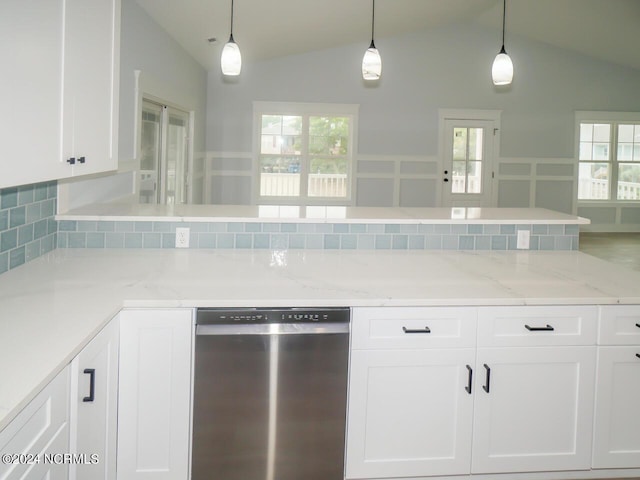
x=52 y=306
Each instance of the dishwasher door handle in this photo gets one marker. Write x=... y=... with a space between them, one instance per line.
x=274 y=328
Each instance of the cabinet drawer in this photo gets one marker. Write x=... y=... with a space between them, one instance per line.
x=408 y=327
x=537 y=326
x=619 y=325
x=44 y=419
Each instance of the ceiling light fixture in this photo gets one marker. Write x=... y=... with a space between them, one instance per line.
x=231 y=60
x=502 y=70
x=372 y=63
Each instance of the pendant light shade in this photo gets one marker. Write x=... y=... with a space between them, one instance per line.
x=372 y=62
x=502 y=70
x=231 y=60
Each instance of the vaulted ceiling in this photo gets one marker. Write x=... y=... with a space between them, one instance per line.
x=605 y=29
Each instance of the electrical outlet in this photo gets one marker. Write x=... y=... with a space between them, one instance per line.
x=523 y=239
x=182 y=237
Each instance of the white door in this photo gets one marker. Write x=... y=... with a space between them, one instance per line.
x=164 y=155
x=94 y=401
x=468 y=162
x=533 y=409
x=616 y=433
x=410 y=413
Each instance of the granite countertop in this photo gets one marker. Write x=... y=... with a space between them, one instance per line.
x=51 y=307
x=315 y=214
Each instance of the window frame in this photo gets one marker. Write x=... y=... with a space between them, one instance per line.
x=304 y=110
x=614 y=119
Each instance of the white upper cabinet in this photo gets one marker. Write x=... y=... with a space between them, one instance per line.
x=60 y=88
x=90 y=93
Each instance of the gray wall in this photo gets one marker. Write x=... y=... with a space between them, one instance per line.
x=422 y=72
x=174 y=73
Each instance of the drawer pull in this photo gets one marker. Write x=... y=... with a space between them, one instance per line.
x=638 y=355
x=468 y=387
x=417 y=330
x=638 y=325
x=487 y=383
x=92 y=384
x=548 y=328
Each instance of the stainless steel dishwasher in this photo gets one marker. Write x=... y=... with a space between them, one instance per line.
x=270 y=394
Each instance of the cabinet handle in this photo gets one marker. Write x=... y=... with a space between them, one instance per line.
x=548 y=328
x=487 y=382
x=71 y=161
x=81 y=160
x=418 y=330
x=470 y=379
x=92 y=384
x=638 y=355
x=638 y=325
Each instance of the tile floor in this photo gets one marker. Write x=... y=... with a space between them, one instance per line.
x=620 y=248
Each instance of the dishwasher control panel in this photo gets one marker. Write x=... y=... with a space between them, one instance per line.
x=221 y=316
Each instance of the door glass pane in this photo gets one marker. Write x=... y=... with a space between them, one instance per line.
x=150 y=148
x=474 y=178
x=459 y=177
x=459 y=143
x=629 y=181
x=468 y=151
x=328 y=177
x=475 y=143
x=593 y=181
x=176 y=157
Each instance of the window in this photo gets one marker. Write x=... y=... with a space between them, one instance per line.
x=304 y=152
x=608 y=156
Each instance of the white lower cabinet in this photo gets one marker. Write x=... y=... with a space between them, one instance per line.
x=37 y=434
x=409 y=413
x=410 y=398
x=522 y=401
x=94 y=398
x=533 y=409
x=617 y=421
x=155 y=394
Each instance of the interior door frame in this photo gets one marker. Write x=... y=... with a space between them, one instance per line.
x=493 y=116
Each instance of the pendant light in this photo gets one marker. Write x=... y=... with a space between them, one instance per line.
x=502 y=70
x=231 y=60
x=372 y=63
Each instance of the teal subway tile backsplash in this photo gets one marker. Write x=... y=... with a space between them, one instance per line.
x=333 y=236
x=27 y=225
x=28 y=229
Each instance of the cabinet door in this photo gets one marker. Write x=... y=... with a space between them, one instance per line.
x=31 y=35
x=537 y=413
x=616 y=441
x=409 y=413
x=90 y=95
x=154 y=394
x=42 y=428
x=94 y=400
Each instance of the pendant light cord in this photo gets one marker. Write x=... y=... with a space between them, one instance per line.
x=232 y=21
x=373 y=23
x=504 y=19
